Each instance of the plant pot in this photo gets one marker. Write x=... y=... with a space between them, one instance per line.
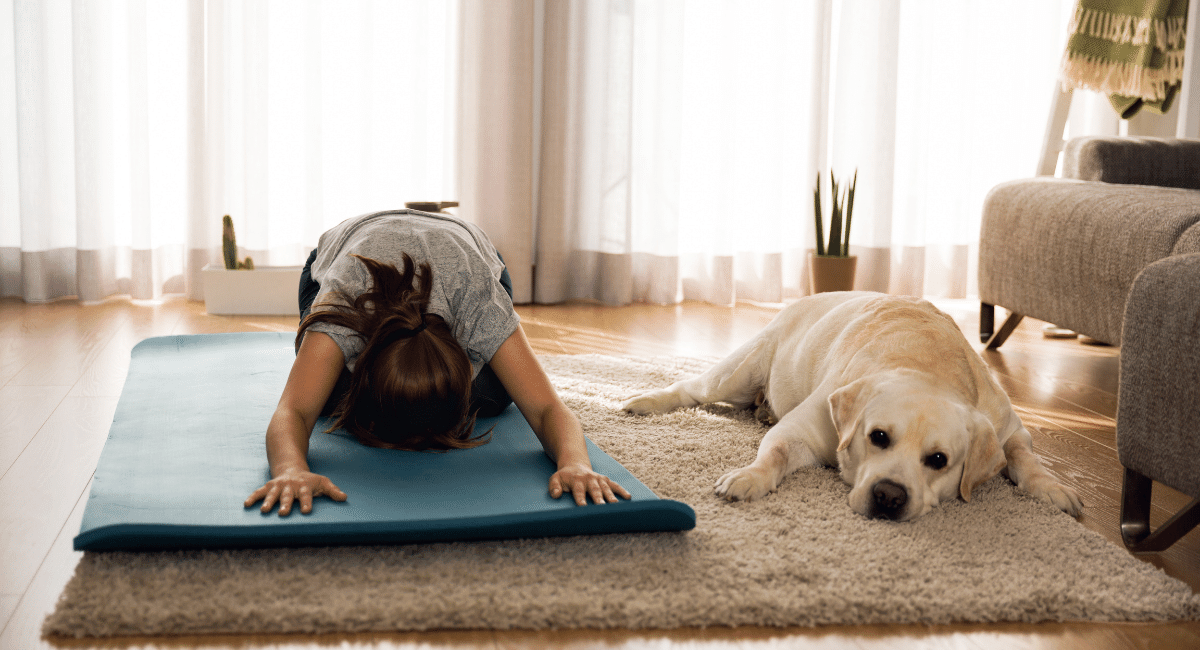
x=266 y=290
x=831 y=273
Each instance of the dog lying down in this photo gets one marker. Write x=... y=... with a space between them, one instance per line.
x=887 y=389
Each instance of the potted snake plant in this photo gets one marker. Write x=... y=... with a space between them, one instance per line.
x=831 y=266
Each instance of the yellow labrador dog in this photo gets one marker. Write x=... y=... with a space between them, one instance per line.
x=887 y=389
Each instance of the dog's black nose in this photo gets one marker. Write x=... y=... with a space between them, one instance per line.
x=890 y=498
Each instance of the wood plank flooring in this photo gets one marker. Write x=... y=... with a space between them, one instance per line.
x=62 y=366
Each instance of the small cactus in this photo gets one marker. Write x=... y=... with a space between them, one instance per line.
x=229 y=248
x=229 y=243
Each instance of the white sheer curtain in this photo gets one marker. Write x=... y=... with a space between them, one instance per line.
x=618 y=150
x=678 y=142
x=129 y=127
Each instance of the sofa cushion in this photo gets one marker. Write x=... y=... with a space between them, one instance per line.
x=1189 y=241
x=1134 y=161
x=1067 y=251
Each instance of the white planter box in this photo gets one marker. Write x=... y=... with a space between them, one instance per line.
x=268 y=290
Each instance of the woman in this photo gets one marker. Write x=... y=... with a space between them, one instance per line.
x=404 y=355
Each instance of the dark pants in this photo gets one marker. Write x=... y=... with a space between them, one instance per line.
x=488 y=396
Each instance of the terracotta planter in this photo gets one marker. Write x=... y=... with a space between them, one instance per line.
x=829 y=273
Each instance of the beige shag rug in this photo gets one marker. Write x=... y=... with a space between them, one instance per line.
x=799 y=557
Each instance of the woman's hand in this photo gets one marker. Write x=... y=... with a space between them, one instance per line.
x=555 y=425
x=581 y=481
x=314 y=372
x=293 y=485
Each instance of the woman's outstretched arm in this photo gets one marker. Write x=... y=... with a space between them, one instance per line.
x=314 y=373
x=555 y=425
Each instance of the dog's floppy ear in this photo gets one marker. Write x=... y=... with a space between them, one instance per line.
x=984 y=457
x=846 y=406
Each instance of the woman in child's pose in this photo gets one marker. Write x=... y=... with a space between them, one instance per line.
x=405 y=355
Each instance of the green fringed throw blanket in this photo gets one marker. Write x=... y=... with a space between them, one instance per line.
x=1130 y=50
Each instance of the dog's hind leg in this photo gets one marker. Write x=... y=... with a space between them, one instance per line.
x=762 y=409
x=736 y=379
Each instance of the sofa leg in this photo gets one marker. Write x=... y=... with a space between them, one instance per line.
x=1001 y=335
x=1135 y=517
x=987 y=321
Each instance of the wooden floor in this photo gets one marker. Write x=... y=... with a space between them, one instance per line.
x=62 y=366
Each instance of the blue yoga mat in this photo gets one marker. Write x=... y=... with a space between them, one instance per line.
x=186 y=449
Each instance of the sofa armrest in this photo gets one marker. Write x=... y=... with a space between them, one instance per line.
x=1158 y=410
x=1134 y=161
x=1067 y=251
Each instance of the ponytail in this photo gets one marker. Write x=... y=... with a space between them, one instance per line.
x=410 y=388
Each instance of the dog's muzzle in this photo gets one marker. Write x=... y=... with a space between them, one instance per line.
x=888 y=499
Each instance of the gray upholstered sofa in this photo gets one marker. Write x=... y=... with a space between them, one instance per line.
x=1112 y=251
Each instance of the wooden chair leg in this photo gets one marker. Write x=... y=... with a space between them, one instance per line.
x=1002 y=334
x=987 y=321
x=1135 y=517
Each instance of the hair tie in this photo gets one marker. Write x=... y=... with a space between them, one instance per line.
x=404 y=333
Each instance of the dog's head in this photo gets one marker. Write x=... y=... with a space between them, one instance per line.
x=905 y=444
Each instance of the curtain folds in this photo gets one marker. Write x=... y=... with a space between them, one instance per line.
x=497 y=118
x=615 y=150
x=678 y=142
x=129 y=127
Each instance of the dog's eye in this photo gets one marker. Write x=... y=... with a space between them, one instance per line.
x=935 y=460
x=880 y=439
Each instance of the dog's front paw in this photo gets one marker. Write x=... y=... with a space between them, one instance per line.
x=1045 y=488
x=652 y=403
x=745 y=484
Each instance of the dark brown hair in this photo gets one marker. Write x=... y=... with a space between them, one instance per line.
x=411 y=386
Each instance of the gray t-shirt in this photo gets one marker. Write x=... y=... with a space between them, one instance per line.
x=466 y=275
